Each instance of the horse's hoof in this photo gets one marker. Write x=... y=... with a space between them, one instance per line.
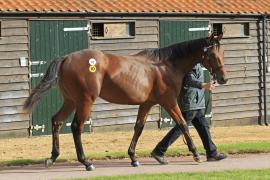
x=197 y=158
x=135 y=163
x=48 y=163
x=90 y=168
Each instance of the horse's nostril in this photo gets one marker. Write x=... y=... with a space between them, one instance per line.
x=224 y=80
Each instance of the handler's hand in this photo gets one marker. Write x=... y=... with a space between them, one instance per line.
x=210 y=86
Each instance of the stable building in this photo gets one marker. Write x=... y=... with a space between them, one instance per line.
x=35 y=32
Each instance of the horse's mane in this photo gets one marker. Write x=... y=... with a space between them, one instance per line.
x=176 y=51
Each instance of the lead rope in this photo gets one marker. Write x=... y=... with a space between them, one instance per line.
x=209 y=100
x=184 y=140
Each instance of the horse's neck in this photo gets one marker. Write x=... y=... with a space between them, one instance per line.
x=186 y=64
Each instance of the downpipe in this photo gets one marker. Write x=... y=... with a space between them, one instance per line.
x=264 y=69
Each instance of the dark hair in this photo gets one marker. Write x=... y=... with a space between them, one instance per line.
x=177 y=51
x=46 y=83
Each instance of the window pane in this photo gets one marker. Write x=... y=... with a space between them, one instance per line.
x=235 y=30
x=115 y=30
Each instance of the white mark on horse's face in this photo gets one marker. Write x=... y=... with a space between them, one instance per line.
x=92 y=61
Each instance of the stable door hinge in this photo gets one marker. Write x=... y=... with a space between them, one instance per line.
x=38 y=127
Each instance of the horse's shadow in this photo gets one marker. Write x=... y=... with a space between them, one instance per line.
x=73 y=167
x=113 y=164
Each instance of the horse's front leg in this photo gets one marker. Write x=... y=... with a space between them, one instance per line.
x=176 y=114
x=141 y=119
x=82 y=112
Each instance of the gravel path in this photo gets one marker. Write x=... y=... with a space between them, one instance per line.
x=122 y=167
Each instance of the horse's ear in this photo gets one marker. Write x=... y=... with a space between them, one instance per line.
x=220 y=36
x=211 y=37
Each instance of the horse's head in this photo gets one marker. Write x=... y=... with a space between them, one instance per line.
x=213 y=59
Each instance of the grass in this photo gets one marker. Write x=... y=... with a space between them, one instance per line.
x=239 y=148
x=24 y=162
x=223 y=175
x=22 y=151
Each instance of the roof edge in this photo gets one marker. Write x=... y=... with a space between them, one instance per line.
x=133 y=14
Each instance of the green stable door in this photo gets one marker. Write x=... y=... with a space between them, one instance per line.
x=172 y=32
x=49 y=40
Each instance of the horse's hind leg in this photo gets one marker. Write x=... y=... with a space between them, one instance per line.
x=141 y=119
x=57 y=122
x=82 y=112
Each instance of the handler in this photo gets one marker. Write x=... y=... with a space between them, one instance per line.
x=192 y=104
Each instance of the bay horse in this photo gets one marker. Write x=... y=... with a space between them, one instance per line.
x=150 y=77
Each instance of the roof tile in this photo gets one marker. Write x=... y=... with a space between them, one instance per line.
x=130 y=6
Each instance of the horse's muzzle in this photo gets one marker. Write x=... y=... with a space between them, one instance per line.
x=222 y=80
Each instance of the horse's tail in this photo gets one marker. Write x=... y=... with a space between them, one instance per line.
x=45 y=84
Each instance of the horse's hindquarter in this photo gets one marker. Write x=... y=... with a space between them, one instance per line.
x=76 y=81
x=127 y=80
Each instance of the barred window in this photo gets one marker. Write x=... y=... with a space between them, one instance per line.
x=97 y=30
x=113 y=30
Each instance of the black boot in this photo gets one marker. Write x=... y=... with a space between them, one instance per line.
x=217 y=157
x=161 y=159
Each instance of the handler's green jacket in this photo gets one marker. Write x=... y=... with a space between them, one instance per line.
x=192 y=95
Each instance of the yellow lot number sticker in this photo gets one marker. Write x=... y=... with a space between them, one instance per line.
x=92 y=69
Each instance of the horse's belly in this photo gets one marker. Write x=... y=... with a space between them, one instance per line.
x=123 y=99
x=126 y=92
